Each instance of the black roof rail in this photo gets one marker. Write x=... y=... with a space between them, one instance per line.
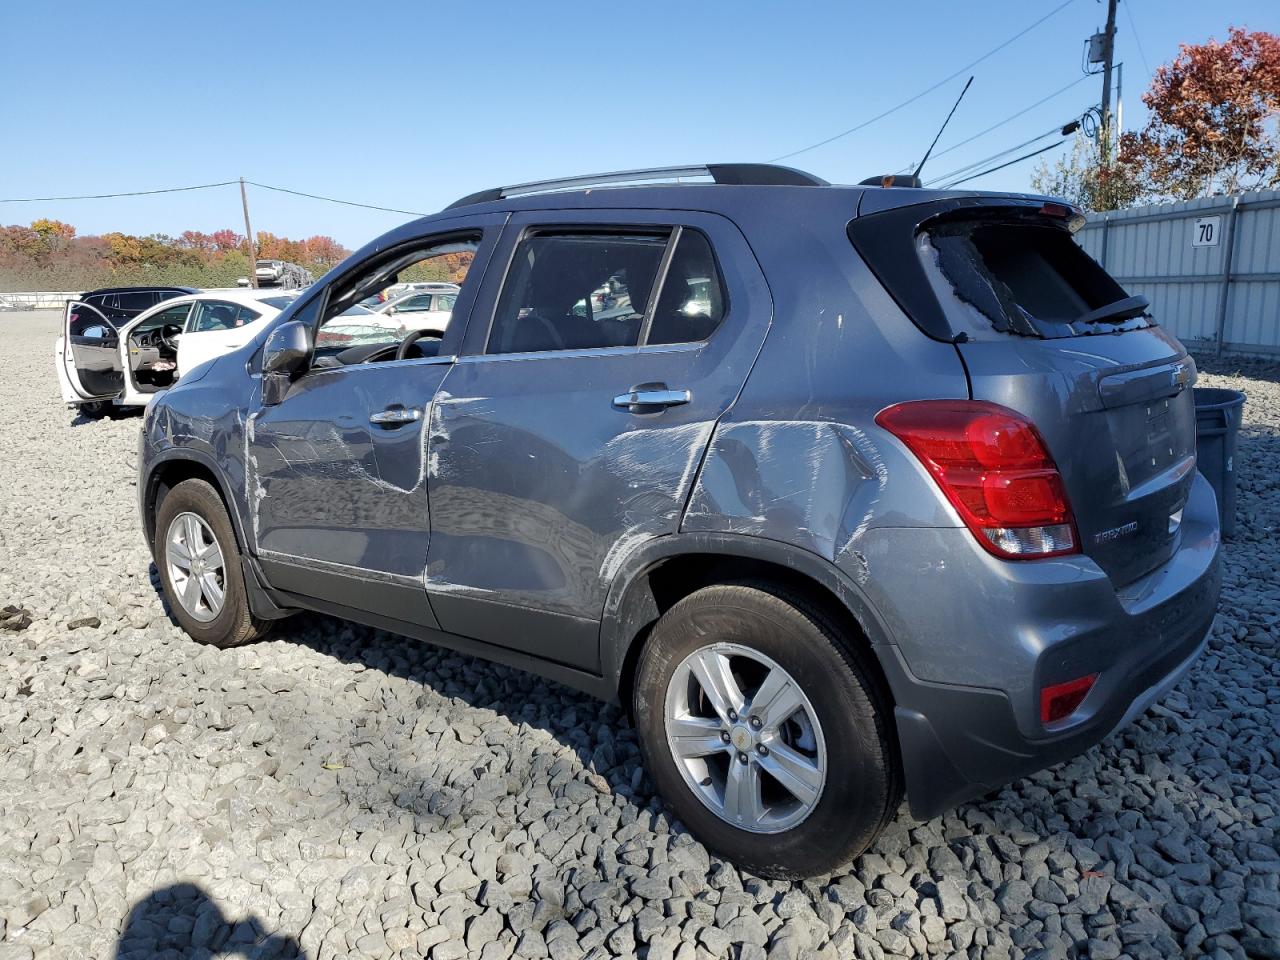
x=760 y=174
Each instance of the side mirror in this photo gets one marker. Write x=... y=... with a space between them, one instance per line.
x=287 y=349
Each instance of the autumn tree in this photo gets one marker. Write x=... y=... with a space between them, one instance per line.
x=48 y=255
x=1212 y=120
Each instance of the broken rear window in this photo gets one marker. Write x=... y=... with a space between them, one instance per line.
x=1025 y=277
x=977 y=268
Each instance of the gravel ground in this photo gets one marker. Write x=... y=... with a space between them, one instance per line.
x=340 y=791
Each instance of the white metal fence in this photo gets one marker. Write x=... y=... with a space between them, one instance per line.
x=42 y=299
x=1210 y=267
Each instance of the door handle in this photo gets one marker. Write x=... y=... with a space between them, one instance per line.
x=395 y=417
x=648 y=398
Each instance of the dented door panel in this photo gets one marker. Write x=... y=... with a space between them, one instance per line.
x=542 y=485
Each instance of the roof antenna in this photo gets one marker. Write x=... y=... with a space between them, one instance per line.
x=916 y=175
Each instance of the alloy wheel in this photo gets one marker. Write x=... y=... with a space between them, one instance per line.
x=745 y=737
x=195 y=567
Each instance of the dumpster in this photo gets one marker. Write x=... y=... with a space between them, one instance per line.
x=1218 y=415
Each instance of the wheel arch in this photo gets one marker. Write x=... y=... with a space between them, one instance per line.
x=169 y=471
x=667 y=569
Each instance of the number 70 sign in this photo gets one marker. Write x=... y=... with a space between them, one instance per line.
x=1206 y=231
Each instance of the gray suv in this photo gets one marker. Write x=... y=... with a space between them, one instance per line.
x=847 y=492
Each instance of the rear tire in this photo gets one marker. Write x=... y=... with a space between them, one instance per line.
x=196 y=552
x=810 y=714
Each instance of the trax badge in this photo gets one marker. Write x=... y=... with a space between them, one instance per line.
x=1115 y=533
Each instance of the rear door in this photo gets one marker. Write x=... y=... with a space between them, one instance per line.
x=567 y=436
x=90 y=358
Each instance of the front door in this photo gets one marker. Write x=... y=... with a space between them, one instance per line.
x=336 y=477
x=91 y=353
x=570 y=431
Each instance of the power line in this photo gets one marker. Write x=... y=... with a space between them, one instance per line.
x=1011 y=117
x=995 y=156
x=130 y=193
x=1025 y=156
x=207 y=186
x=1137 y=39
x=348 y=203
x=922 y=93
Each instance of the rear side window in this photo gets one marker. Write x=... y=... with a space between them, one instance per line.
x=576 y=291
x=691 y=304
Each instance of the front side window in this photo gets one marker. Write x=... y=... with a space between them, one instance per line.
x=353 y=316
x=88 y=323
x=415 y=304
x=577 y=291
x=171 y=316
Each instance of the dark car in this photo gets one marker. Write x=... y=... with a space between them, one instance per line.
x=121 y=304
x=854 y=490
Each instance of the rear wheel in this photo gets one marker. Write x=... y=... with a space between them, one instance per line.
x=199 y=561
x=764 y=731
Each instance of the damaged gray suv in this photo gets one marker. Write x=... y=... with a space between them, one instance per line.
x=847 y=492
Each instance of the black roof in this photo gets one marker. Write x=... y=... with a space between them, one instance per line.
x=160 y=288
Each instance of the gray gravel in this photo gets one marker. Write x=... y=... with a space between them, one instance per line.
x=340 y=791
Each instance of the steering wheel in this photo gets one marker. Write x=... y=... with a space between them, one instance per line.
x=412 y=337
x=167 y=333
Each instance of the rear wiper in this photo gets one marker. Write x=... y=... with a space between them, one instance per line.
x=1115 y=312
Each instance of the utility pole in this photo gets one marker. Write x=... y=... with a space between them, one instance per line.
x=1108 y=56
x=248 y=231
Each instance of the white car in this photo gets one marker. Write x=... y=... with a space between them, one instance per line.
x=416 y=310
x=100 y=366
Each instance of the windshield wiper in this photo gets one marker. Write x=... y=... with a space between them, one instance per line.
x=1124 y=309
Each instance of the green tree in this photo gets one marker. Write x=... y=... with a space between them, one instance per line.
x=1080 y=178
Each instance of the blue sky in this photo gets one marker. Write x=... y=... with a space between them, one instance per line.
x=413 y=104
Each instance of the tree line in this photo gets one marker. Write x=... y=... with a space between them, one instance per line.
x=49 y=255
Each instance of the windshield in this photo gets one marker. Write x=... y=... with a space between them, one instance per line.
x=278 y=302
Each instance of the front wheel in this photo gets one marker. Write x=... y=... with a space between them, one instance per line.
x=764 y=730
x=195 y=549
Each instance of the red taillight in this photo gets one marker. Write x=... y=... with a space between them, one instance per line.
x=1062 y=699
x=993 y=466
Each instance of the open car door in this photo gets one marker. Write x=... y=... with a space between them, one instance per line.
x=90 y=363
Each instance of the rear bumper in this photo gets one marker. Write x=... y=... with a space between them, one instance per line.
x=960 y=740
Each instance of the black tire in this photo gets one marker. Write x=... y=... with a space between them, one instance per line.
x=95 y=409
x=862 y=788
x=235 y=624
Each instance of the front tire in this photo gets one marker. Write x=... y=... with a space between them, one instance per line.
x=95 y=409
x=765 y=731
x=199 y=561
